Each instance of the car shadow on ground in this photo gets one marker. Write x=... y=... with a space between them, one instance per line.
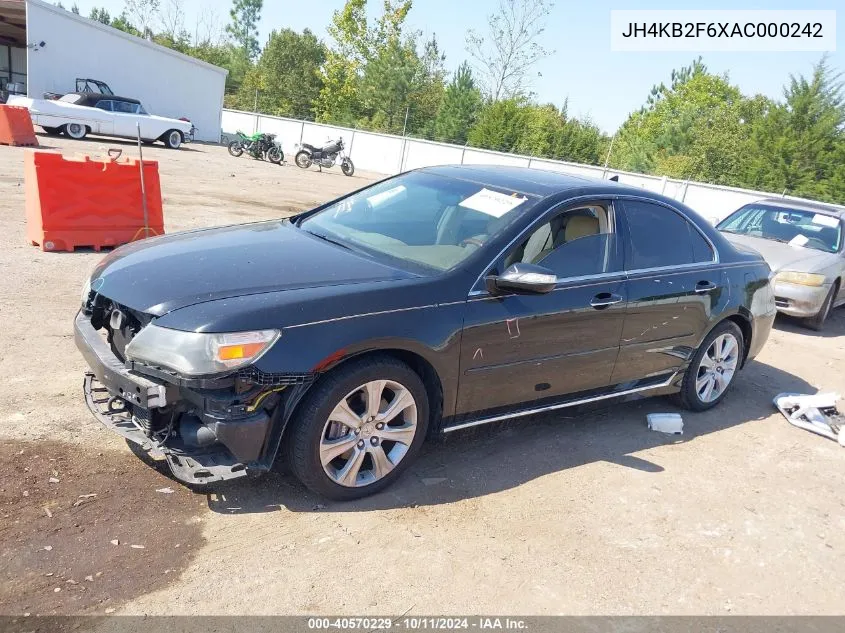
x=833 y=327
x=123 y=142
x=491 y=459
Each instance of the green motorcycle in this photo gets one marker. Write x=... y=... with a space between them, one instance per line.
x=259 y=145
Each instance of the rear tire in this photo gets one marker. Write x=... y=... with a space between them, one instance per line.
x=76 y=131
x=303 y=159
x=371 y=461
x=694 y=394
x=817 y=322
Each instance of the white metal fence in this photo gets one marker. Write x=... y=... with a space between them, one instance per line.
x=389 y=154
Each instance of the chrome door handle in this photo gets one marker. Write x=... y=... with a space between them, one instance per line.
x=703 y=287
x=604 y=299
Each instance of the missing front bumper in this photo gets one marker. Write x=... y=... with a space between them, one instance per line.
x=205 y=467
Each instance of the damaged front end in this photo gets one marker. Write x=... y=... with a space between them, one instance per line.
x=209 y=428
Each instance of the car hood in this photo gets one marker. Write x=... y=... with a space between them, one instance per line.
x=166 y=273
x=781 y=256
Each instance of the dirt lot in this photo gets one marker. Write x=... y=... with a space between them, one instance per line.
x=584 y=512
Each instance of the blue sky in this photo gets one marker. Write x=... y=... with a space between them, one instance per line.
x=603 y=85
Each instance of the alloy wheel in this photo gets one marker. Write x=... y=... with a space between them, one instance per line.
x=717 y=367
x=368 y=433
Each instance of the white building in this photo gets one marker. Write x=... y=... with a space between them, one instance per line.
x=45 y=49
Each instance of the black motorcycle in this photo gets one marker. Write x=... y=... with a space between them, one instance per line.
x=258 y=146
x=326 y=156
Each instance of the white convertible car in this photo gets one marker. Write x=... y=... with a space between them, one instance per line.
x=80 y=114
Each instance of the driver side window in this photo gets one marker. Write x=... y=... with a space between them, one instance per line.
x=574 y=243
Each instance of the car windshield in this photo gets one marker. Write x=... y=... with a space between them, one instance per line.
x=420 y=218
x=797 y=227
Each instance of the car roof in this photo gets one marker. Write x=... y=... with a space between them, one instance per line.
x=93 y=97
x=800 y=205
x=532 y=181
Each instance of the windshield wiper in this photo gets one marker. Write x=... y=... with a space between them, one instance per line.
x=330 y=240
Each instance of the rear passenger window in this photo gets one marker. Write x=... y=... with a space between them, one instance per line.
x=660 y=237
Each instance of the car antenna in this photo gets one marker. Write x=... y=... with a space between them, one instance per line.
x=143 y=184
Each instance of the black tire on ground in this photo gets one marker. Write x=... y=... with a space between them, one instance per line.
x=347 y=167
x=236 y=149
x=173 y=139
x=302 y=439
x=688 y=397
x=275 y=155
x=76 y=131
x=817 y=322
x=303 y=159
x=52 y=131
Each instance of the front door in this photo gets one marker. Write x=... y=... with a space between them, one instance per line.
x=520 y=348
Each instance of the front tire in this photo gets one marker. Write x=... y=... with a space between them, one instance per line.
x=76 y=131
x=817 y=322
x=713 y=368
x=303 y=159
x=347 y=167
x=360 y=427
x=173 y=139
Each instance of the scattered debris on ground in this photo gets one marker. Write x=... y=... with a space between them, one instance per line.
x=670 y=423
x=54 y=537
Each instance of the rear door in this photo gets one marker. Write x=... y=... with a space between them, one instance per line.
x=675 y=285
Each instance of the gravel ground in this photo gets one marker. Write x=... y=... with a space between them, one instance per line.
x=580 y=512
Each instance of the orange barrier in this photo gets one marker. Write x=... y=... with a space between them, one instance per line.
x=16 y=126
x=72 y=202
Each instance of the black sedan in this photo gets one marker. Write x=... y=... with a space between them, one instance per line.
x=339 y=339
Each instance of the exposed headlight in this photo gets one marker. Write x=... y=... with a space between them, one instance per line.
x=196 y=353
x=802 y=279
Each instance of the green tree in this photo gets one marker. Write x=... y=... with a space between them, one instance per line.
x=369 y=73
x=100 y=15
x=500 y=126
x=428 y=90
x=75 y=9
x=287 y=75
x=122 y=23
x=243 y=28
x=460 y=107
x=141 y=13
x=800 y=141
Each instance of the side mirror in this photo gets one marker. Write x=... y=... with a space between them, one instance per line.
x=522 y=279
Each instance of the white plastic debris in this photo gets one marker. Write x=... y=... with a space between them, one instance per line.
x=815 y=413
x=671 y=423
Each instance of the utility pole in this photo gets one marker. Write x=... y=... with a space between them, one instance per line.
x=607 y=158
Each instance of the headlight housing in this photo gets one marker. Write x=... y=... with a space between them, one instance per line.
x=199 y=353
x=86 y=289
x=802 y=279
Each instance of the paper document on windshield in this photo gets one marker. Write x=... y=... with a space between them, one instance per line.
x=798 y=240
x=825 y=220
x=492 y=202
